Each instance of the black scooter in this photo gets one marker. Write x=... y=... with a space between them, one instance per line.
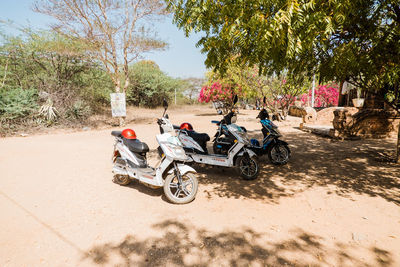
x=277 y=150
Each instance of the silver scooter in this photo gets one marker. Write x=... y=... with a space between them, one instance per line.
x=178 y=180
x=239 y=155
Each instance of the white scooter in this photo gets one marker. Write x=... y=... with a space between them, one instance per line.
x=178 y=180
x=239 y=155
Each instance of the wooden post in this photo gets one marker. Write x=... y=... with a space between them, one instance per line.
x=313 y=91
x=341 y=96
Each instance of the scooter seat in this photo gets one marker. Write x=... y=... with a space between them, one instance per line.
x=116 y=133
x=136 y=146
x=201 y=137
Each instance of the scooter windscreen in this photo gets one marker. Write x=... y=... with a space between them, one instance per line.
x=263 y=114
x=234 y=118
x=238 y=132
x=229 y=118
x=171 y=146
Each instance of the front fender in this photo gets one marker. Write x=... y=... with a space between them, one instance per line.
x=183 y=169
x=283 y=142
x=249 y=151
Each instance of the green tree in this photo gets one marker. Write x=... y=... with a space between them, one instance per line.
x=115 y=30
x=353 y=40
x=49 y=62
x=280 y=90
x=150 y=85
x=192 y=87
x=48 y=70
x=246 y=78
x=349 y=40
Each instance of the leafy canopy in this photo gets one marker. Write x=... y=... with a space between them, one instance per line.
x=265 y=33
x=354 y=40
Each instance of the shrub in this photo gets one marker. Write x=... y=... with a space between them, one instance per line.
x=17 y=103
x=149 y=85
x=325 y=96
x=78 y=111
x=222 y=93
x=48 y=112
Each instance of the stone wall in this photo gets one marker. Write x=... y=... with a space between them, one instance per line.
x=367 y=123
x=307 y=113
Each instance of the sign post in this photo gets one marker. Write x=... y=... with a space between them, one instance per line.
x=118 y=105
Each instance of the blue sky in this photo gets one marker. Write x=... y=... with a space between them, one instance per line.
x=182 y=59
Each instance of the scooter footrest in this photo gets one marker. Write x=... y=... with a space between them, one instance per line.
x=194 y=150
x=148 y=170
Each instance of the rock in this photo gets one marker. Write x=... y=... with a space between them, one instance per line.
x=86 y=128
x=333 y=133
x=309 y=115
x=367 y=123
x=296 y=111
x=318 y=129
x=24 y=135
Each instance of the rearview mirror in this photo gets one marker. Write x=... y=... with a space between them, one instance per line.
x=165 y=103
x=235 y=99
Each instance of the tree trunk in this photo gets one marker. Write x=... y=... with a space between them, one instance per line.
x=127 y=83
x=117 y=86
x=121 y=121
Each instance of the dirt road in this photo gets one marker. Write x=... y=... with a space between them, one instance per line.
x=335 y=204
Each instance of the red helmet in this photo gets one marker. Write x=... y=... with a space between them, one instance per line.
x=129 y=134
x=186 y=126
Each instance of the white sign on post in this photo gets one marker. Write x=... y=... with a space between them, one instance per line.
x=118 y=104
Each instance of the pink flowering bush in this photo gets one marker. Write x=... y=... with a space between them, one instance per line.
x=218 y=92
x=324 y=96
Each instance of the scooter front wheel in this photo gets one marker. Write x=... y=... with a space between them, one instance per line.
x=181 y=193
x=247 y=167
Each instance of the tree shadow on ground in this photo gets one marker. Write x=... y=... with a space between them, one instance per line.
x=184 y=245
x=344 y=167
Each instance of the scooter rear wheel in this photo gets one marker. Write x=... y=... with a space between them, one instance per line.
x=121 y=179
x=279 y=153
x=181 y=193
x=247 y=167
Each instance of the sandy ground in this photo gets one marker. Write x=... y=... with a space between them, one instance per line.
x=337 y=203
